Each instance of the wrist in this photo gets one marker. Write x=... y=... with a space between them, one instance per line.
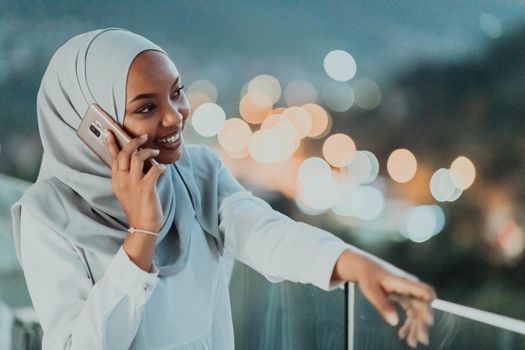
x=348 y=265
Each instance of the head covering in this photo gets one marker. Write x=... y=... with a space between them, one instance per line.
x=92 y=68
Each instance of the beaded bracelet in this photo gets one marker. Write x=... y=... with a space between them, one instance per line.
x=133 y=230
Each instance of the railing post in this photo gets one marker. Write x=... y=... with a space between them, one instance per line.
x=349 y=315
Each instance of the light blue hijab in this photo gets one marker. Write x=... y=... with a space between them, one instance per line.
x=73 y=192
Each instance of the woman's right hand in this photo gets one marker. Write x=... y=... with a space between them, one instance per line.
x=136 y=191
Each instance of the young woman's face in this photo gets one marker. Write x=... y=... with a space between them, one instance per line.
x=156 y=104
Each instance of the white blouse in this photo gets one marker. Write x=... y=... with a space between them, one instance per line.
x=129 y=308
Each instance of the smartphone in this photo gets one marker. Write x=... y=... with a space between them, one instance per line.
x=91 y=130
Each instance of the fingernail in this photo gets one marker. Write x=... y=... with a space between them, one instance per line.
x=144 y=137
x=392 y=319
x=156 y=151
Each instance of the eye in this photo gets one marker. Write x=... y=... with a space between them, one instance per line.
x=178 y=92
x=146 y=109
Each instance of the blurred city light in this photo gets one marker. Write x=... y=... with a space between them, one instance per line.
x=313 y=167
x=421 y=222
x=462 y=173
x=267 y=85
x=369 y=203
x=235 y=135
x=208 y=119
x=490 y=25
x=198 y=98
x=340 y=65
x=205 y=87
x=268 y=146
x=339 y=97
x=299 y=92
x=511 y=239
x=321 y=120
x=402 y=165
x=363 y=169
x=367 y=93
x=300 y=119
x=346 y=202
x=255 y=106
x=442 y=188
x=339 y=150
x=319 y=192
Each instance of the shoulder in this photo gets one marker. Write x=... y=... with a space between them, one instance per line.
x=202 y=153
x=203 y=157
x=45 y=200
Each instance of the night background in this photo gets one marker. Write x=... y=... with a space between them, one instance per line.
x=442 y=79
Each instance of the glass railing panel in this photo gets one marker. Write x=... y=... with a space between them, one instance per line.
x=455 y=328
x=285 y=315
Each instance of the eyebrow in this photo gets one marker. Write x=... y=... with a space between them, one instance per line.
x=149 y=95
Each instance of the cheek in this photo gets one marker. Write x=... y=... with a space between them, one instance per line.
x=135 y=127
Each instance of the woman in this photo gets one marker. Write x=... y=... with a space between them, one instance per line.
x=94 y=280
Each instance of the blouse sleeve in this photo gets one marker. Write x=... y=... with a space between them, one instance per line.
x=273 y=244
x=74 y=313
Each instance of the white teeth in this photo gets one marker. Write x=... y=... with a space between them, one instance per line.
x=170 y=139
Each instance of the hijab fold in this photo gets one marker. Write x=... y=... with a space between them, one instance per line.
x=73 y=193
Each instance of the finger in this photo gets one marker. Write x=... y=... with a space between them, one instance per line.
x=111 y=145
x=378 y=298
x=403 y=331
x=154 y=173
x=427 y=315
x=405 y=286
x=412 y=335
x=422 y=334
x=137 y=161
x=124 y=157
x=113 y=150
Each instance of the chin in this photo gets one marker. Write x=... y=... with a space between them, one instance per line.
x=169 y=157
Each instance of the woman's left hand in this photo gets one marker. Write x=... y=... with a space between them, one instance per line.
x=382 y=284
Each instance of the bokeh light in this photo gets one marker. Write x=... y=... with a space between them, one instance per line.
x=235 y=135
x=340 y=65
x=301 y=120
x=205 y=87
x=254 y=107
x=198 y=98
x=402 y=165
x=339 y=97
x=299 y=92
x=422 y=222
x=339 y=150
x=346 y=202
x=208 y=119
x=268 y=146
x=370 y=203
x=313 y=167
x=363 y=169
x=490 y=25
x=462 y=172
x=267 y=85
x=321 y=120
x=319 y=192
x=442 y=188
x=367 y=93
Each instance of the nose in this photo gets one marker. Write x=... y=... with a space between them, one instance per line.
x=172 y=116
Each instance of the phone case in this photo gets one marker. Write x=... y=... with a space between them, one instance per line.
x=91 y=131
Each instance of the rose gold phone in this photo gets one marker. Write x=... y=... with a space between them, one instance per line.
x=91 y=130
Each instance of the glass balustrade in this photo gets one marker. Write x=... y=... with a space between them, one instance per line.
x=456 y=327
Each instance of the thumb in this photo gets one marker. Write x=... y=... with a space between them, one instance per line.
x=378 y=297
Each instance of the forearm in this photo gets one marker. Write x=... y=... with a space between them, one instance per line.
x=348 y=265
